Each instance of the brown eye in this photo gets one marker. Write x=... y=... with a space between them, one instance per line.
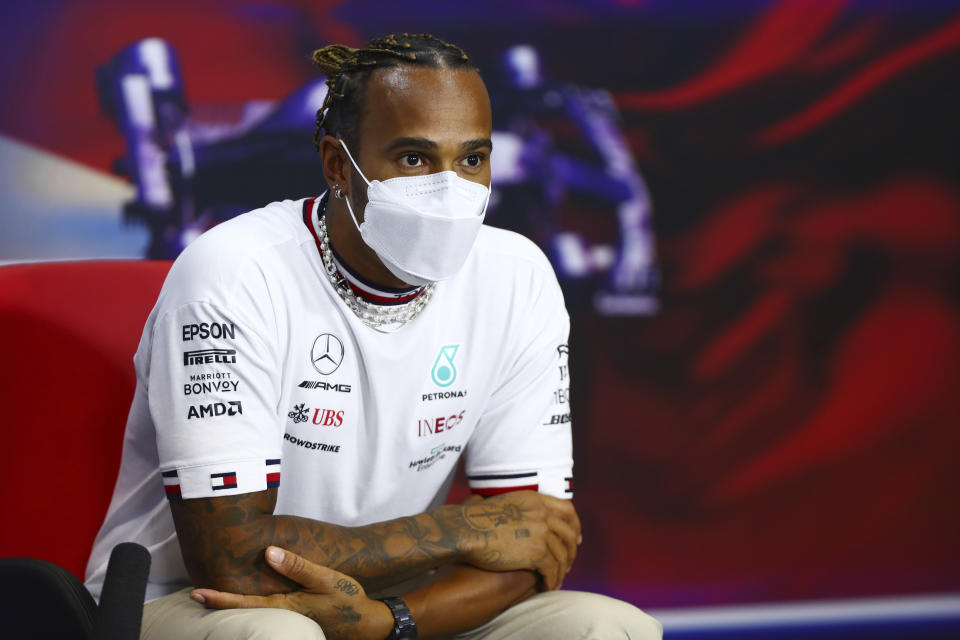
x=412 y=160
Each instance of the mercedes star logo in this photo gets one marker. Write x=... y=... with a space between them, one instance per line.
x=327 y=353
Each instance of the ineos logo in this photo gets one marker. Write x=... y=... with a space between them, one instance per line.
x=327 y=353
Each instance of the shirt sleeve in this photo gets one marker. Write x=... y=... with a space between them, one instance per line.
x=523 y=439
x=213 y=394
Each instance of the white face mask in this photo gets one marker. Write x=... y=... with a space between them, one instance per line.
x=421 y=227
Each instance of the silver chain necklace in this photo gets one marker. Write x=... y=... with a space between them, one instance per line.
x=383 y=318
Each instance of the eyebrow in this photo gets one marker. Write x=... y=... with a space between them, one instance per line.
x=427 y=144
x=477 y=143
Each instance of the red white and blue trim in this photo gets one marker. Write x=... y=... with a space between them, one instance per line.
x=367 y=290
x=224 y=480
x=171 y=484
x=495 y=484
x=273 y=473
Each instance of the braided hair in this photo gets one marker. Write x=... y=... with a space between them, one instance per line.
x=348 y=71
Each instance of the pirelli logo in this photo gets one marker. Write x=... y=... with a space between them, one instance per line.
x=209 y=356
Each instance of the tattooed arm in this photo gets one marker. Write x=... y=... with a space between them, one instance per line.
x=223 y=541
x=458 y=599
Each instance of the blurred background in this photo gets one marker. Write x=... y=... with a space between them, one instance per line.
x=753 y=208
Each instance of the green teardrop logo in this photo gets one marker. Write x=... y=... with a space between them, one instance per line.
x=444 y=372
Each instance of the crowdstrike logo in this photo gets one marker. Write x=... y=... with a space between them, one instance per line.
x=327 y=353
x=444 y=372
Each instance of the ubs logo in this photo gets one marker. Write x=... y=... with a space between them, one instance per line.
x=327 y=353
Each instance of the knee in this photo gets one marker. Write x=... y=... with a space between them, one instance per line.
x=266 y=624
x=591 y=616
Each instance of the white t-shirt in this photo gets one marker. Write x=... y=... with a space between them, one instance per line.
x=253 y=373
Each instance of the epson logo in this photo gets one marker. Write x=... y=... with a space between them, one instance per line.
x=324 y=386
x=214 y=409
x=206 y=330
x=198 y=388
x=210 y=356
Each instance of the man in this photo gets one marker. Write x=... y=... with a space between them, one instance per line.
x=358 y=343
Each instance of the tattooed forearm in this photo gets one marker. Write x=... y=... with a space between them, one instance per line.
x=223 y=541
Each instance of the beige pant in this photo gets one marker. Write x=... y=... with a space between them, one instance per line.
x=553 y=615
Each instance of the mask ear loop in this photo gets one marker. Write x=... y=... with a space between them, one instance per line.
x=352 y=161
x=346 y=199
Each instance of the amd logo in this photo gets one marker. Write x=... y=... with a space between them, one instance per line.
x=214 y=409
x=324 y=386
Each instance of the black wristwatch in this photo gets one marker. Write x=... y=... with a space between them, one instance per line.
x=404 y=628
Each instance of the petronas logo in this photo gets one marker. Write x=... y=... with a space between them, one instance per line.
x=444 y=372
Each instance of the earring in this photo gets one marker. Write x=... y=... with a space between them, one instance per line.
x=337 y=191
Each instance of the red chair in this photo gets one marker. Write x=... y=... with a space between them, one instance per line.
x=68 y=332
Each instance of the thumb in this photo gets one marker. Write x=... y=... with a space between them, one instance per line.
x=297 y=568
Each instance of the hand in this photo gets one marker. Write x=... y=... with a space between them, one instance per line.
x=524 y=530
x=333 y=600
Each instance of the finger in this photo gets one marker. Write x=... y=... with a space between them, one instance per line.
x=548 y=573
x=567 y=535
x=559 y=551
x=564 y=510
x=225 y=600
x=299 y=569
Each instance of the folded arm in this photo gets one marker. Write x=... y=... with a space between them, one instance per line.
x=223 y=540
x=459 y=598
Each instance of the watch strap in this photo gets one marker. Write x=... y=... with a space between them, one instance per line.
x=404 y=628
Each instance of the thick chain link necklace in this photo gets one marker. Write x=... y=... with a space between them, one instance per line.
x=383 y=318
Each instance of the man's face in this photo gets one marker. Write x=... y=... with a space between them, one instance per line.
x=420 y=120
